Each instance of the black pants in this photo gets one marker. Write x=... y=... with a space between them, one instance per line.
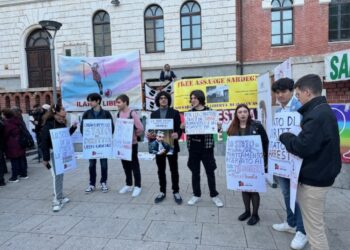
x=19 y=166
x=206 y=156
x=132 y=167
x=161 y=163
x=2 y=167
x=92 y=171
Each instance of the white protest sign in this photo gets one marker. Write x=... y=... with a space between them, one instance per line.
x=146 y=156
x=245 y=164
x=123 y=138
x=63 y=150
x=160 y=124
x=201 y=122
x=294 y=177
x=75 y=118
x=279 y=158
x=97 y=139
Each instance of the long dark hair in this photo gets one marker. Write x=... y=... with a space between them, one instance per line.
x=50 y=114
x=234 y=126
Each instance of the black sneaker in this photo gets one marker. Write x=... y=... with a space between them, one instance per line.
x=24 y=177
x=177 y=198
x=2 y=183
x=159 y=198
x=253 y=220
x=13 y=180
x=244 y=216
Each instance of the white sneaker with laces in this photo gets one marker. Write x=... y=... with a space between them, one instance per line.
x=284 y=227
x=299 y=241
x=65 y=200
x=136 y=192
x=217 y=201
x=56 y=206
x=125 y=189
x=193 y=200
x=104 y=187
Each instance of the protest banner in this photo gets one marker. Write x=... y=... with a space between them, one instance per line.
x=160 y=124
x=76 y=118
x=109 y=76
x=294 y=177
x=337 y=66
x=342 y=113
x=63 y=151
x=203 y=122
x=97 y=139
x=283 y=70
x=279 y=158
x=123 y=138
x=265 y=111
x=245 y=164
x=224 y=92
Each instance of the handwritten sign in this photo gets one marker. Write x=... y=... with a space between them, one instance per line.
x=63 y=150
x=160 y=124
x=201 y=122
x=97 y=138
x=279 y=158
x=123 y=138
x=245 y=164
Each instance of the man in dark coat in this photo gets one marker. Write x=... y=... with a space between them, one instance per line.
x=163 y=101
x=318 y=144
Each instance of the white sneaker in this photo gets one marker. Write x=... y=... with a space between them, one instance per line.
x=56 y=207
x=125 y=189
x=104 y=187
x=193 y=200
x=136 y=192
x=299 y=241
x=284 y=227
x=217 y=201
x=65 y=200
x=90 y=189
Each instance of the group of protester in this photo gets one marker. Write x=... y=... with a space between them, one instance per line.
x=317 y=144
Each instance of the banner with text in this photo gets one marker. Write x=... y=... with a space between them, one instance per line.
x=279 y=158
x=245 y=164
x=224 y=92
x=342 y=112
x=63 y=150
x=123 y=138
x=97 y=139
x=337 y=66
x=201 y=122
x=109 y=76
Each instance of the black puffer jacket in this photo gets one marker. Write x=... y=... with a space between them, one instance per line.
x=46 y=143
x=318 y=144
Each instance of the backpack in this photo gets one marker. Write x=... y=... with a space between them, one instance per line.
x=25 y=138
x=139 y=138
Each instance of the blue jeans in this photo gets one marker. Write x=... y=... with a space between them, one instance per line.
x=292 y=219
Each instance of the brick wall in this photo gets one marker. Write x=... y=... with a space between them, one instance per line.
x=310 y=32
x=338 y=92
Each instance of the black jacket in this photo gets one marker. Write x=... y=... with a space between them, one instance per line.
x=162 y=76
x=175 y=115
x=318 y=144
x=2 y=135
x=103 y=114
x=46 y=143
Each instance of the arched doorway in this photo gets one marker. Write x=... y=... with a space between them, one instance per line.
x=38 y=59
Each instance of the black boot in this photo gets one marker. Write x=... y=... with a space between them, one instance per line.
x=244 y=216
x=253 y=220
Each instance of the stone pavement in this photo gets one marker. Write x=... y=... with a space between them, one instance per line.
x=114 y=221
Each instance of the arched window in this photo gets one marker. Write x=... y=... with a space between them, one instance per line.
x=191 y=31
x=48 y=99
x=282 y=22
x=17 y=102
x=154 y=29
x=339 y=20
x=102 y=34
x=27 y=103
x=7 y=102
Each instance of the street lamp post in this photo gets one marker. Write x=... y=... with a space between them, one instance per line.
x=54 y=26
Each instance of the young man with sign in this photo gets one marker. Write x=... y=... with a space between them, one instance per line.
x=283 y=89
x=163 y=101
x=96 y=112
x=318 y=144
x=131 y=167
x=201 y=149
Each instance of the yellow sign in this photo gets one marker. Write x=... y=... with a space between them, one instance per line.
x=224 y=92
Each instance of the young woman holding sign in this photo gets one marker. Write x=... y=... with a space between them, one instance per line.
x=53 y=119
x=243 y=124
